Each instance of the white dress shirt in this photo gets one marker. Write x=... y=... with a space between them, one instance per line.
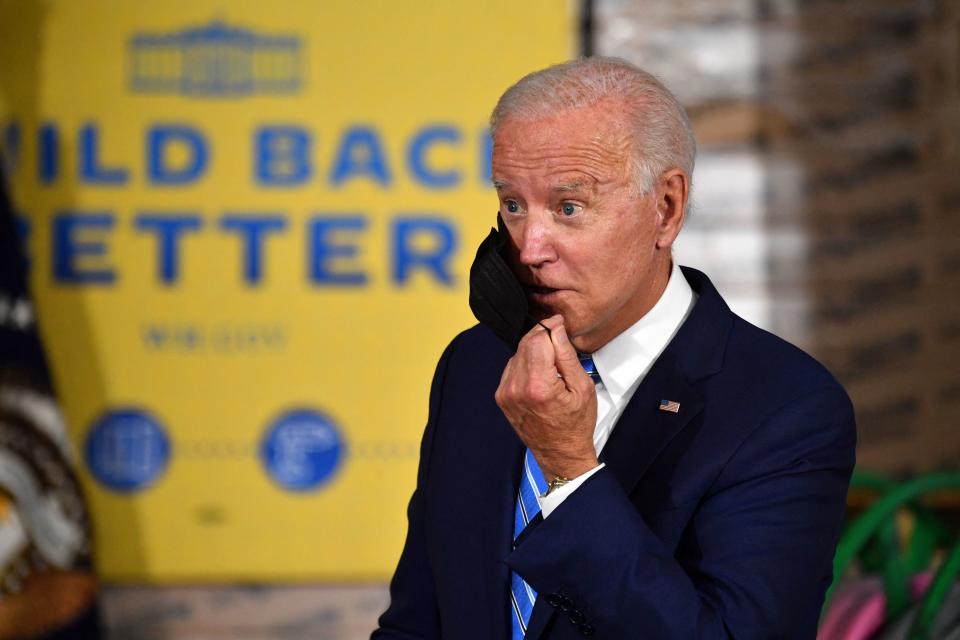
x=622 y=364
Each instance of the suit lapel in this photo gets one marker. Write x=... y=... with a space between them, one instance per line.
x=644 y=428
x=695 y=352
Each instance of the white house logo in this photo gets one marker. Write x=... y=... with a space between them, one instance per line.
x=215 y=60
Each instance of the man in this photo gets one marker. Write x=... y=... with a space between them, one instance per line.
x=695 y=488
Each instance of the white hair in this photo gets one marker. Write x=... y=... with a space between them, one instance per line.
x=663 y=137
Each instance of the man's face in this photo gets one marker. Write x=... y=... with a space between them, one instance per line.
x=583 y=242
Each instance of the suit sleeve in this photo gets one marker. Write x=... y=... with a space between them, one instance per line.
x=413 y=613
x=755 y=558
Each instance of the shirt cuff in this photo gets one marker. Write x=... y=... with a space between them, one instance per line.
x=551 y=501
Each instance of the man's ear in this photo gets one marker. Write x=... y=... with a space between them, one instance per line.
x=673 y=189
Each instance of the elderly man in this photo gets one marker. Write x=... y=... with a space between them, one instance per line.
x=646 y=464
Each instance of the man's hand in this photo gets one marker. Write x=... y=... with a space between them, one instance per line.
x=555 y=415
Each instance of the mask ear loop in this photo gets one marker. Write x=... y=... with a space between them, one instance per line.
x=545 y=327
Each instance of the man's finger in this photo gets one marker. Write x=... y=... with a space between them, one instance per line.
x=539 y=354
x=565 y=355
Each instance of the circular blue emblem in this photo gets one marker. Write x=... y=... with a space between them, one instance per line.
x=127 y=450
x=301 y=450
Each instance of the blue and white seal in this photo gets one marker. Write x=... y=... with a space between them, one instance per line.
x=127 y=450
x=301 y=450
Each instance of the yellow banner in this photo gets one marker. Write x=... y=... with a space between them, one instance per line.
x=250 y=227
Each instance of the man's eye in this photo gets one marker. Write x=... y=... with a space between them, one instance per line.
x=568 y=208
x=512 y=206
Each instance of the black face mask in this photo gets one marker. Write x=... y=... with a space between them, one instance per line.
x=497 y=298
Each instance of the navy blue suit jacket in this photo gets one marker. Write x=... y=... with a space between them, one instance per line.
x=717 y=521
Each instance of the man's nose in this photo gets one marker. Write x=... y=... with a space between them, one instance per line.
x=536 y=241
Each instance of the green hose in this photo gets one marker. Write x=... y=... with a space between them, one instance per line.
x=880 y=513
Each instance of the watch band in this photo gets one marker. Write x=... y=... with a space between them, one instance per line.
x=554 y=484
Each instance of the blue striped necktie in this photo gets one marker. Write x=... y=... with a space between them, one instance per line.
x=532 y=486
x=587 y=363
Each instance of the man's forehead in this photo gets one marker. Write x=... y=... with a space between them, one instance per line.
x=572 y=152
x=555 y=145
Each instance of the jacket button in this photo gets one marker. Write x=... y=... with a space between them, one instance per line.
x=554 y=599
x=566 y=604
x=585 y=629
x=577 y=617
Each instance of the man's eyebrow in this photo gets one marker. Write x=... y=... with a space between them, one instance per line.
x=499 y=184
x=567 y=187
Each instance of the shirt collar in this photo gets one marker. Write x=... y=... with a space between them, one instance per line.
x=625 y=360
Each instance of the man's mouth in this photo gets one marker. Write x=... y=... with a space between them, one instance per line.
x=540 y=293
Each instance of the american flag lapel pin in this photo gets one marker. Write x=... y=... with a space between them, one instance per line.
x=670 y=405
